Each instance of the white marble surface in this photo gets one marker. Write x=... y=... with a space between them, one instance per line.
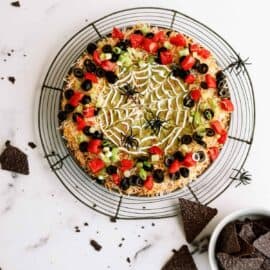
x=37 y=214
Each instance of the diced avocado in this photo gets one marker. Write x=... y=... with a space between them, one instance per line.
x=124 y=60
x=201 y=130
x=105 y=158
x=212 y=104
x=79 y=108
x=184 y=148
x=117 y=50
x=139 y=165
x=167 y=45
x=142 y=173
x=183 y=52
x=81 y=138
x=145 y=28
x=115 y=156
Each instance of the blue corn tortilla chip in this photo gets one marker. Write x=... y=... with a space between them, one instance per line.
x=195 y=217
x=229 y=262
x=262 y=244
x=181 y=260
x=247 y=233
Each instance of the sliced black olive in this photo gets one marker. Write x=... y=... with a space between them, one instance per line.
x=175 y=176
x=161 y=49
x=148 y=167
x=149 y=35
x=202 y=68
x=86 y=85
x=138 y=32
x=179 y=156
x=202 y=143
x=125 y=184
x=100 y=181
x=210 y=132
x=204 y=85
x=188 y=101
x=90 y=66
x=111 y=77
x=142 y=158
x=201 y=156
x=83 y=146
x=78 y=72
x=111 y=169
x=86 y=100
x=176 y=71
x=224 y=93
x=183 y=73
x=96 y=111
x=62 y=115
x=186 y=139
x=75 y=115
x=168 y=33
x=122 y=45
x=115 y=57
x=158 y=60
x=98 y=135
x=69 y=108
x=136 y=180
x=100 y=72
x=168 y=160
x=158 y=175
x=107 y=48
x=181 y=59
x=196 y=137
x=86 y=131
x=220 y=75
x=91 y=47
x=208 y=114
x=197 y=64
x=184 y=172
x=69 y=93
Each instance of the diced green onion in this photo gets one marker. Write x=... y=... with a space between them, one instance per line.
x=167 y=45
x=105 y=56
x=197 y=119
x=117 y=50
x=142 y=173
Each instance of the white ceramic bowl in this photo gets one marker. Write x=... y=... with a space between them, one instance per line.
x=240 y=214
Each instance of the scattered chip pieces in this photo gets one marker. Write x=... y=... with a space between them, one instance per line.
x=15 y=4
x=228 y=240
x=181 y=260
x=266 y=264
x=262 y=244
x=13 y=159
x=229 y=262
x=95 y=245
x=12 y=79
x=246 y=249
x=195 y=217
x=32 y=145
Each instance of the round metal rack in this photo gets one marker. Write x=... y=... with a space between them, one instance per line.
x=208 y=186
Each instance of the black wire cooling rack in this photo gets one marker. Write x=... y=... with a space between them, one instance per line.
x=211 y=184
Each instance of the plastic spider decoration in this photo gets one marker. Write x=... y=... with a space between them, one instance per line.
x=129 y=92
x=244 y=178
x=238 y=63
x=129 y=141
x=155 y=123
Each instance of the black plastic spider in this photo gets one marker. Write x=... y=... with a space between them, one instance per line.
x=155 y=123
x=238 y=63
x=129 y=141
x=244 y=178
x=129 y=92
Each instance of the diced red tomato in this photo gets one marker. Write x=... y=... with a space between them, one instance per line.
x=136 y=40
x=159 y=36
x=89 y=112
x=80 y=123
x=76 y=98
x=178 y=40
x=126 y=164
x=188 y=62
x=194 y=47
x=91 y=76
x=117 y=33
x=149 y=182
x=210 y=81
x=166 y=57
x=94 y=146
x=96 y=57
x=204 y=53
x=116 y=178
x=149 y=45
x=108 y=65
x=155 y=150
x=190 y=78
x=217 y=127
x=175 y=166
x=195 y=94
x=213 y=153
x=96 y=165
x=227 y=105
x=222 y=139
x=189 y=161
